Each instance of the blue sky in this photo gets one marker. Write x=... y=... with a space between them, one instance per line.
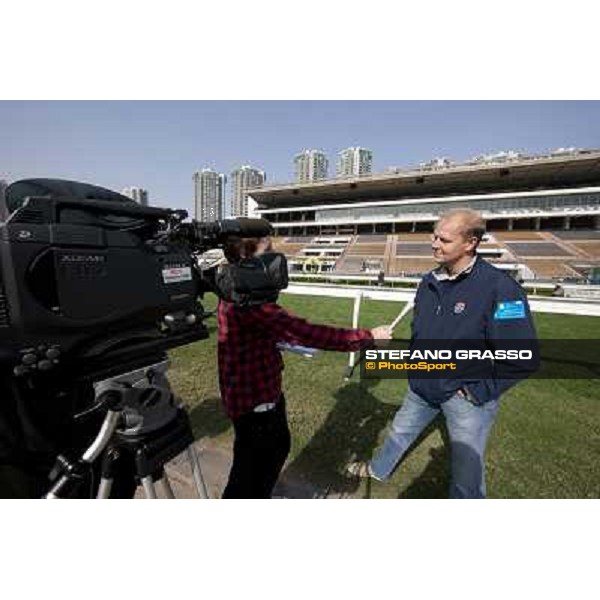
x=158 y=145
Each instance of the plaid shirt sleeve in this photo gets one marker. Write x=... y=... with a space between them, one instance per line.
x=287 y=327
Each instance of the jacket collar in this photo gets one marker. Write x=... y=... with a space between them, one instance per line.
x=441 y=273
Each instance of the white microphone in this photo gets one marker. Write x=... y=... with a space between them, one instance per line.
x=402 y=314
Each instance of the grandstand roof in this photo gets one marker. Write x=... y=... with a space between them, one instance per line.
x=524 y=174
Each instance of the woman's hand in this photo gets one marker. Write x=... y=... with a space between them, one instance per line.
x=383 y=332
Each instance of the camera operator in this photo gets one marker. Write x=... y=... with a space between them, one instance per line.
x=250 y=367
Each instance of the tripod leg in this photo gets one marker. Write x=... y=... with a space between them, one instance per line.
x=104 y=489
x=108 y=473
x=197 y=473
x=167 y=487
x=148 y=485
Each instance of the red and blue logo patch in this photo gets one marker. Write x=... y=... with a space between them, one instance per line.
x=459 y=307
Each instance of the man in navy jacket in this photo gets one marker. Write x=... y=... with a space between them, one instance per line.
x=464 y=300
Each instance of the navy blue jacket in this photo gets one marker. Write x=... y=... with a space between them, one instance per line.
x=484 y=304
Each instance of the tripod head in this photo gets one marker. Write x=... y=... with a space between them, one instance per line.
x=141 y=419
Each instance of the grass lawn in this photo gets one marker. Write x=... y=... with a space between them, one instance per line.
x=545 y=444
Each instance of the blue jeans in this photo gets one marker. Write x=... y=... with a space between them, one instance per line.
x=468 y=428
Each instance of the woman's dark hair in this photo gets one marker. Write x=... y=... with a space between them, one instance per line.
x=237 y=248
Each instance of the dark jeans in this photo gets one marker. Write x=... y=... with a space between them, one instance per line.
x=262 y=443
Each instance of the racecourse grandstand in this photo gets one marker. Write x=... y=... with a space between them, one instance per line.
x=542 y=212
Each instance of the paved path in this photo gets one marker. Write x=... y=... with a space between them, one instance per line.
x=215 y=462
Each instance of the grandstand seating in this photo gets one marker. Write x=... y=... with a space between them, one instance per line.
x=591 y=248
x=300 y=239
x=497 y=259
x=371 y=239
x=411 y=266
x=413 y=249
x=503 y=236
x=343 y=241
x=318 y=251
x=549 y=249
x=351 y=264
x=578 y=234
x=414 y=237
x=287 y=248
x=548 y=254
x=545 y=269
x=365 y=249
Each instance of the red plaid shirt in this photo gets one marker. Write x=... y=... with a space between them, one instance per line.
x=250 y=363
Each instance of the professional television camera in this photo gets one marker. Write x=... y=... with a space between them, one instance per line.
x=93 y=288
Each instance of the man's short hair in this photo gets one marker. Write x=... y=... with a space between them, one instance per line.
x=473 y=224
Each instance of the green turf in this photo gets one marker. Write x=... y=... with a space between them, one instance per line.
x=545 y=444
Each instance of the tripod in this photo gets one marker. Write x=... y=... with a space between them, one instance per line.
x=143 y=423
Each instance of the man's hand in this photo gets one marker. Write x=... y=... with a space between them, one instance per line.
x=383 y=332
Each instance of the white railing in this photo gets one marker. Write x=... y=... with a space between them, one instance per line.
x=565 y=306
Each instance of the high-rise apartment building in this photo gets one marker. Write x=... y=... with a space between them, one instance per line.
x=140 y=195
x=353 y=162
x=242 y=181
x=3 y=186
x=310 y=165
x=209 y=195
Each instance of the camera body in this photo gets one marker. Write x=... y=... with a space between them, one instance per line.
x=87 y=275
x=83 y=277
